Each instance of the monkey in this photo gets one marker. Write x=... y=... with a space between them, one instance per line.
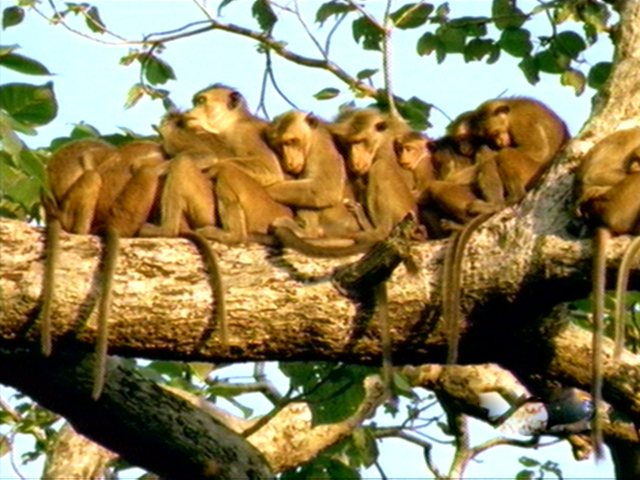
x=367 y=138
x=607 y=189
x=96 y=188
x=223 y=111
x=202 y=158
x=413 y=152
x=319 y=187
x=453 y=193
x=526 y=136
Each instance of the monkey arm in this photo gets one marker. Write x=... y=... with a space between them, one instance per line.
x=305 y=193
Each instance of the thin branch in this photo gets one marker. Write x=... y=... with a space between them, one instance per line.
x=306 y=28
x=367 y=15
x=334 y=29
x=274 y=82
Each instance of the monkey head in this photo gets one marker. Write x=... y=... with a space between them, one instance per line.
x=492 y=122
x=411 y=148
x=464 y=132
x=215 y=109
x=360 y=133
x=290 y=136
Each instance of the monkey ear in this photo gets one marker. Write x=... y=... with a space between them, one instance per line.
x=381 y=126
x=235 y=99
x=311 y=120
x=502 y=110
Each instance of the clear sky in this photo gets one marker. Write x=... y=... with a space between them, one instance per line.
x=91 y=86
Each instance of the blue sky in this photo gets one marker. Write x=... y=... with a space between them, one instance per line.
x=91 y=86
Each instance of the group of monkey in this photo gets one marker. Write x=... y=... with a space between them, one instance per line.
x=327 y=188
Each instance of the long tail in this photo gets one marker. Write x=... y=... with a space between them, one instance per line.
x=112 y=249
x=215 y=281
x=52 y=253
x=452 y=284
x=622 y=283
x=382 y=309
x=599 y=275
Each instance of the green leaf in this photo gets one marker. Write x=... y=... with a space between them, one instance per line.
x=551 y=61
x=569 y=43
x=598 y=74
x=416 y=112
x=23 y=64
x=525 y=475
x=411 y=16
x=32 y=105
x=135 y=93
x=5 y=445
x=223 y=4
x=574 y=78
x=453 y=39
x=529 y=462
x=263 y=13
x=506 y=15
x=427 y=43
x=595 y=14
x=12 y=16
x=443 y=11
x=367 y=73
x=371 y=35
x=328 y=9
x=327 y=94
x=157 y=71
x=84 y=130
x=339 y=471
x=93 y=20
x=478 y=48
x=363 y=447
x=25 y=192
x=33 y=165
x=529 y=66
x=472 y=26
x=516 y=42
x=333 y=392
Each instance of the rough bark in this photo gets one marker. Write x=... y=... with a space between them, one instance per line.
x=75 y=457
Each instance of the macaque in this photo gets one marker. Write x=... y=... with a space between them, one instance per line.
x=527 y=135
x=96 y=188
x=454 y=194
x=223 y=111
x=318 y=187
x=367 y=139
x=413 y=152
x=608 y=195
x=204 y=172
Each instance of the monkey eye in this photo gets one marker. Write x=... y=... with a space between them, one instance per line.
x=199 y=101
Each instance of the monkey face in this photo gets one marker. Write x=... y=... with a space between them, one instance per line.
x=360 y=156
x=213 y=109
x=409 y=154
x=493 y=120
x=293 y=155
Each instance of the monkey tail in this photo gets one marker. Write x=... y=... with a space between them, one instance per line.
x=451 y=284
x=382 y=305
x=111 y=251
x=52 y=252
x=290 y=240
x=621 y=296
x=599 y=275
x=215 y=281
